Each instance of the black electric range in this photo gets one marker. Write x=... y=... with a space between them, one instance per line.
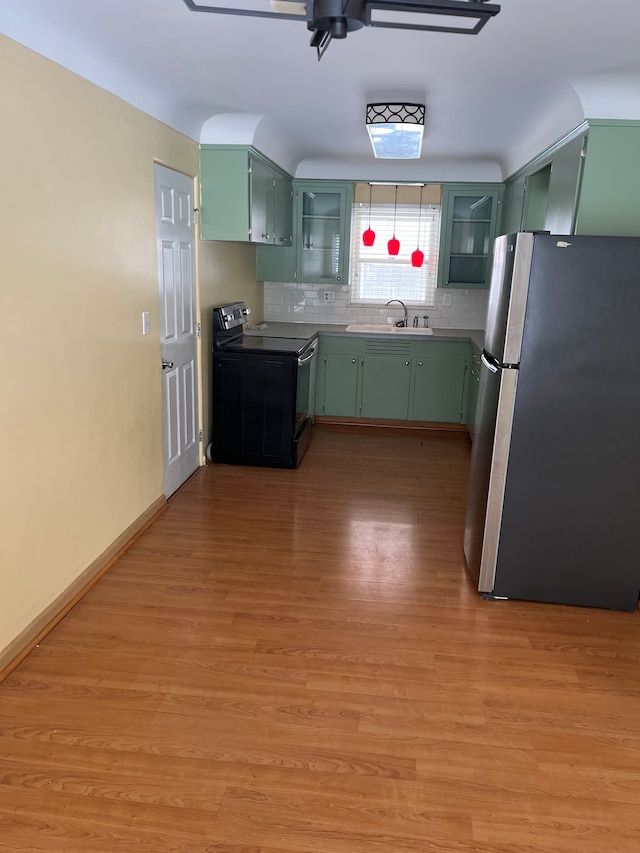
x=263 y=391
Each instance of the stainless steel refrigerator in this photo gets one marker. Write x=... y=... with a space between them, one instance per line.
x=553 y=512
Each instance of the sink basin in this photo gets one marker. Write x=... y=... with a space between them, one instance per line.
x=380 y=328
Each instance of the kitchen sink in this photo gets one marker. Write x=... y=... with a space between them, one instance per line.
x=375 y=328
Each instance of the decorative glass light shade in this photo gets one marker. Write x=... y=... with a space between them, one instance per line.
x=395 y=130
x=368 y=237
x=417 y=258
x=394 y=246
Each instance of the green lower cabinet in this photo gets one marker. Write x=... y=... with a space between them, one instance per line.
x=337 y=385
x=473 y=388
x=393 y=380
x=386 y=382
x=439 y=390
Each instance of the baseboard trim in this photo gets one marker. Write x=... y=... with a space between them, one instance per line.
x=29 y=637
x=407 y=426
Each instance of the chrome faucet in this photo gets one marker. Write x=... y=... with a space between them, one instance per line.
x=404 y=322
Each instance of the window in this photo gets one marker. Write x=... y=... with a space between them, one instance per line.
x=377 y=276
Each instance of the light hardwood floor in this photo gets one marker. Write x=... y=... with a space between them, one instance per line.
x=296 y=662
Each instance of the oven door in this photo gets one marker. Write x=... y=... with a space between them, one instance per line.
x=305 y=385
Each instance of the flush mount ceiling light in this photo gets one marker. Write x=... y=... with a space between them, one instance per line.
x=395 y=130
x=333 y=19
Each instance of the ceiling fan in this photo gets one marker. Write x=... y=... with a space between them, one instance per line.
x=333 y=19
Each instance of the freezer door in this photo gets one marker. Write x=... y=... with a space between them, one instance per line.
x=488 y=470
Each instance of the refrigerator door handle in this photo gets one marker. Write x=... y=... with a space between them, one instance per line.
x=488 y=364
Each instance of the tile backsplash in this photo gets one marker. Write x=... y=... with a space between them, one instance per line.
x=307 y=303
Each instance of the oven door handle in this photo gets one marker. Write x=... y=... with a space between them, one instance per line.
x=306 y=356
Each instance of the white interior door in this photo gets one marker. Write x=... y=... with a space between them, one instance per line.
x=178 y=330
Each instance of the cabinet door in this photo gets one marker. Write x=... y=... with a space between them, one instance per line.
x=275 y=263
x=262 y=192
x=225 y=192
x=473 y=383
x=513 y=207
x=470 y=217
x=322 y=232
x=338 y=386
x=385 y=387
x=439 y=390
x=282 y=210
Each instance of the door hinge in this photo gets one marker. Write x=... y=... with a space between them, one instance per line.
x=583 y=152
x=198 y=330
x=199 y=435
x=196 y=214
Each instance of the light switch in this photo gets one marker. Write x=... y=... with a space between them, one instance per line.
x=446 y=299
x=146 y=323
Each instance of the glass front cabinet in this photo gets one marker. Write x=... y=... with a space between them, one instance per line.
x=322 y=239
x=470 y=219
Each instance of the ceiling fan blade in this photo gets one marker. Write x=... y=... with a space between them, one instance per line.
x=289 y=7
x=252 y=9
x=443 y=16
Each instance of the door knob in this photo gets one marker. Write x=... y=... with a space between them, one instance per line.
x=166 y=364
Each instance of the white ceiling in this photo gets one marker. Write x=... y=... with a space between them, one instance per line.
x=493 y=100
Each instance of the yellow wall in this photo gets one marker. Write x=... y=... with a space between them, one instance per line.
x=80 y=398
x=227 y=273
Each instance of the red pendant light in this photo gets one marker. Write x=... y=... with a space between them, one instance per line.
x=394 y=245
x=417 y=257
x=369 y=236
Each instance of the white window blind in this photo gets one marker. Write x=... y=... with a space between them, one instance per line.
x=377 y=276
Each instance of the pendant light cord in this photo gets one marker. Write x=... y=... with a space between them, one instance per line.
x=420 y=217
x=395 y=207
x=370 y=190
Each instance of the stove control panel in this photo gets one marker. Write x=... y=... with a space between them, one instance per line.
x=227 y=317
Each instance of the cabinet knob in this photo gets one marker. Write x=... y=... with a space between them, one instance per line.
x=353 y=361
x=407 y=363
x=338 y=278
x=420 y=364
x=265 y=236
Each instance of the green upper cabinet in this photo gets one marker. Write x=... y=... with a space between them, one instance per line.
x=608 y=197
x=469 y=227
x=322 y=231
x=244 y=196
x=586 y=183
